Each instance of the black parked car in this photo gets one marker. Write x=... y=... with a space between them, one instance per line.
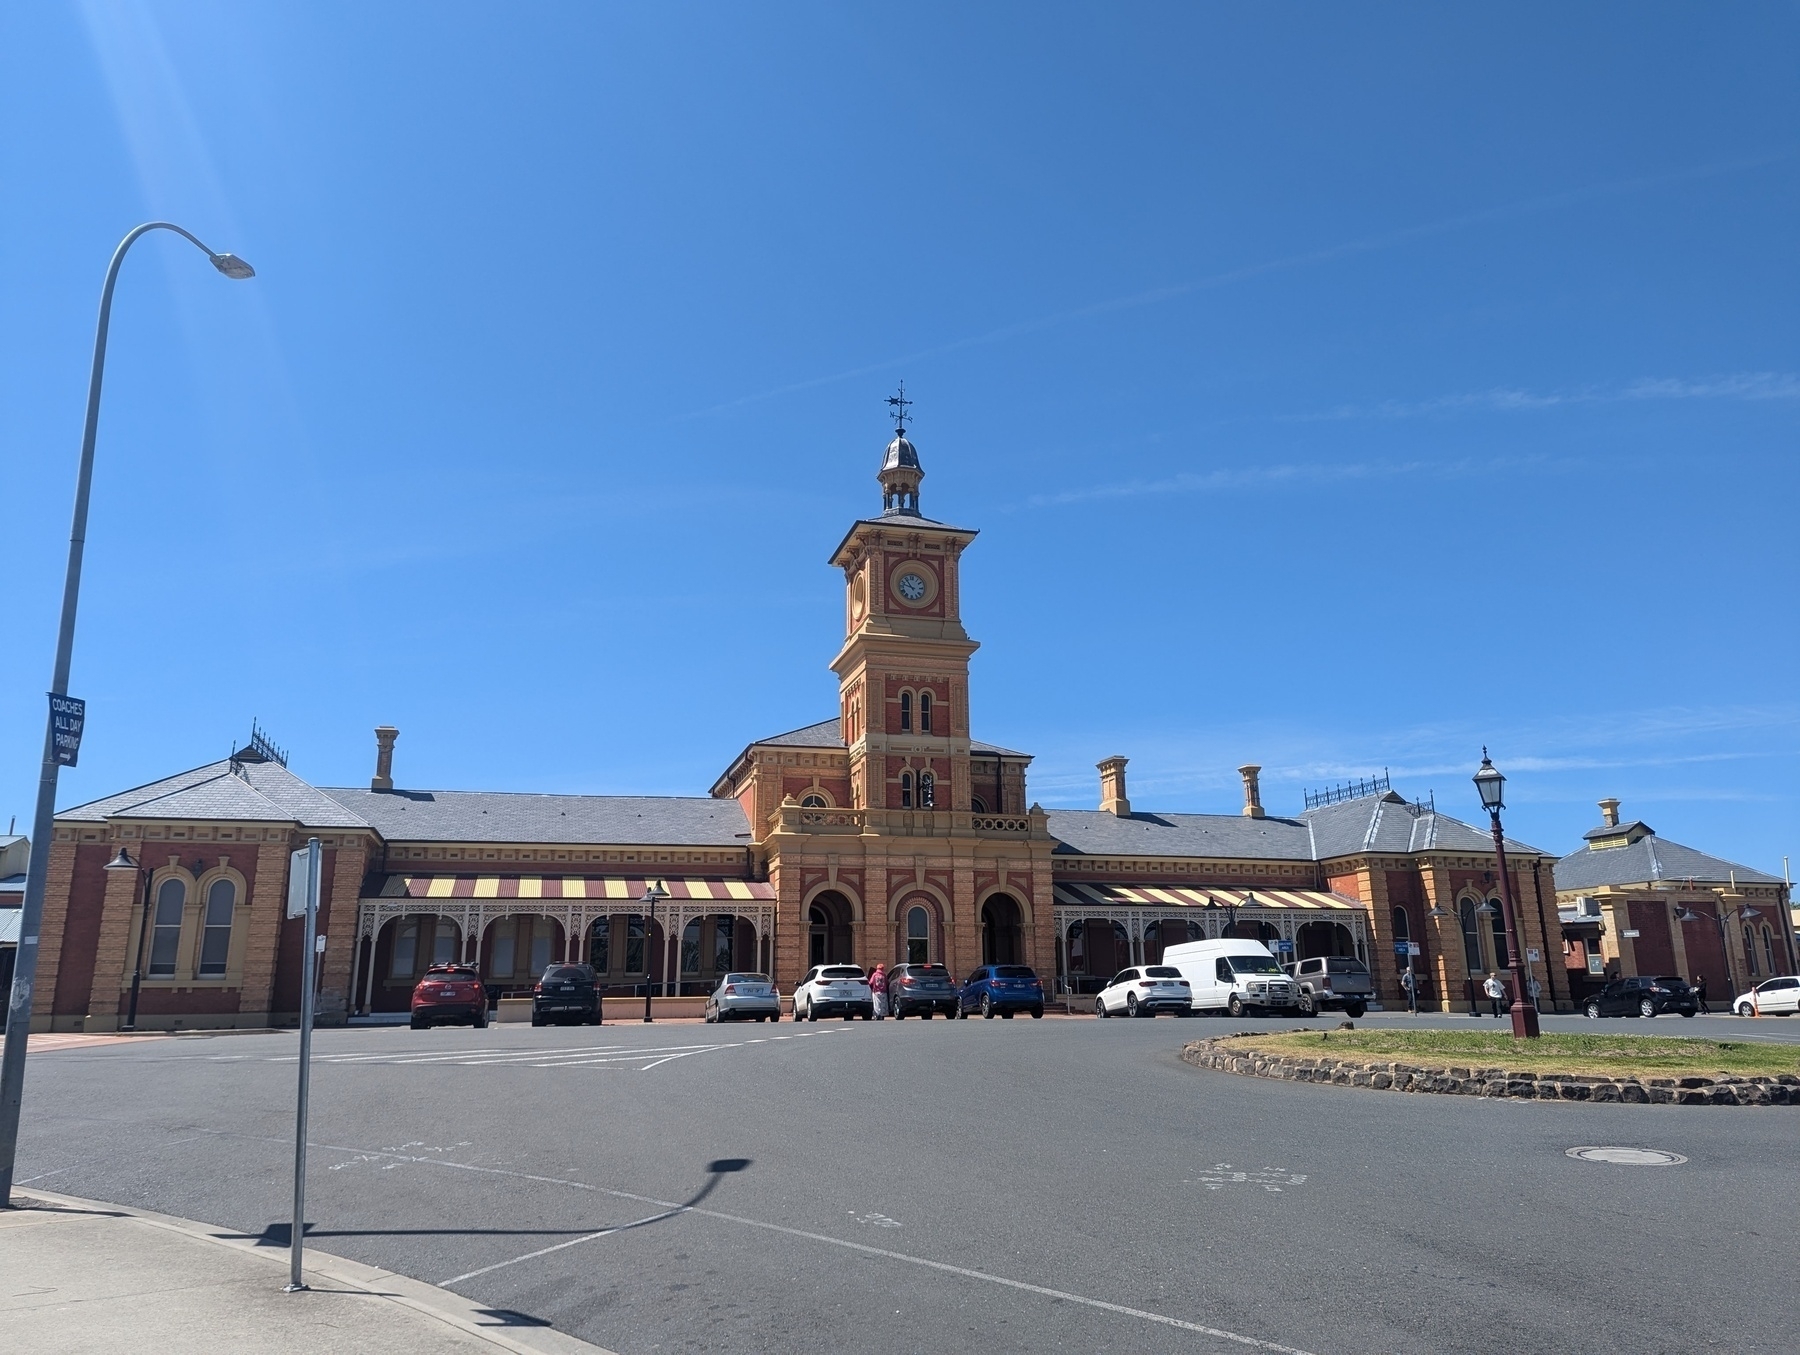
x=566 y=995
x=1642 y=995
x=921 y=990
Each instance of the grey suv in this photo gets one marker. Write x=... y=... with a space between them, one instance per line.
x=1332 y=981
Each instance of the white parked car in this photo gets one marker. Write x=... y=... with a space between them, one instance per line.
x=1776 y=997
x=1145 y=992
x=834 y=990
x=1239 y=976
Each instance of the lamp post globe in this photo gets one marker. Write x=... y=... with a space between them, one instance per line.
x=1489 y=784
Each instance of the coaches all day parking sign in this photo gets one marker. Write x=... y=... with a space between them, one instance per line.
x=67 y=715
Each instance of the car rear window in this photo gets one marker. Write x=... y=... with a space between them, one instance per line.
x=567 y=972
x=928 y=971
x=746 y=978
x=841 y=972
x=1341 y=964
x=1013 y=971
x=453 y=971
x=1162 y=971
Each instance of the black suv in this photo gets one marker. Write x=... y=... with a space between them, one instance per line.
x=566 y=995
x=920 y=990
x=1642 y=995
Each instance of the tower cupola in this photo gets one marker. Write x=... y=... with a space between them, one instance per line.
x=900 y=472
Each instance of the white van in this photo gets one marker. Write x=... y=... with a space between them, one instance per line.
x=1239 y=976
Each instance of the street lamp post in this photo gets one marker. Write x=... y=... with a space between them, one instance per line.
x=1490 y=783
x=123 y=861
x=651 y=897
x=1738 y=917
x=18 y=1023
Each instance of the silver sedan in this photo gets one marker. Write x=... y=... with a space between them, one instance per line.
x=744 y=997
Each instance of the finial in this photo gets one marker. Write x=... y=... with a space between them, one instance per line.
x=899 y=404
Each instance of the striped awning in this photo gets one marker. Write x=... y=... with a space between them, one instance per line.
x=624 y=888
x=1191 y=896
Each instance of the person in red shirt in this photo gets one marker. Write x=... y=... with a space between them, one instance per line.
x=878 y=986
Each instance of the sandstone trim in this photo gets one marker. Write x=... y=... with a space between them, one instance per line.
x=1458 y=1081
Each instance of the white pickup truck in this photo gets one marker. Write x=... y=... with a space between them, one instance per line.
x=1238 y=976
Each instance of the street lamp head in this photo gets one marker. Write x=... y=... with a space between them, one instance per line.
x=1490 y=783
x=655 y=894
x=1686 y=914
x=1488 y=908
x=1747 y=913
x=232 y=267
x=122 y=861
x=1438 y=912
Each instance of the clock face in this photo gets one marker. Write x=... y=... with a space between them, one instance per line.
x=912 y=587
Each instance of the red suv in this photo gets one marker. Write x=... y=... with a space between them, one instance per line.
x=449 y=992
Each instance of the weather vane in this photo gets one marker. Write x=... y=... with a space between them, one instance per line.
x=899 y=403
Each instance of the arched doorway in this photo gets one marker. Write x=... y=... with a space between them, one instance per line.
x=1002 y=931
x=828 y=930
x=404 y=949
x=519 y=948
x=712 y=947
x=1096 y=949
x=1168 y=932
x=1324 y=938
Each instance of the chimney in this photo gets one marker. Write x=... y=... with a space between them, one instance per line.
x=1112 y=787
x=1252 y=790
x=384 y=758
x=1609 y=813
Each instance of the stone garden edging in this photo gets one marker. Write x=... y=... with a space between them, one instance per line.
x=1723 y=1090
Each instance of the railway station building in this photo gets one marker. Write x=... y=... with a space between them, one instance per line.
x=884 y=832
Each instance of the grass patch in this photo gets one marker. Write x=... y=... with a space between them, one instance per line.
x=1582 y=1055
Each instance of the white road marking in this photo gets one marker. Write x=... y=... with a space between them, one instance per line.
x=560 y=1246
x=671 y=1208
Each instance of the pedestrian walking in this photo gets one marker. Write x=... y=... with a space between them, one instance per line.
x=1408 y=982
x=878 y=987
x=1699 y=987
x=1495 y=991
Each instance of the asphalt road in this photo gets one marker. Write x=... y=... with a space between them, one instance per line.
x=1007 y=1186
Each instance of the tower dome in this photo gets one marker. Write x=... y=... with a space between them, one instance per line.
x=900 y=470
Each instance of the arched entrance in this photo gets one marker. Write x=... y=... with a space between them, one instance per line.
x=623 y=952
x=1096 y=949
x=712 y=947
x=519 y=948
x=1324 y=938
x=404 y=949
x=1002 y=931
x=828 y=930
x=1168 y=932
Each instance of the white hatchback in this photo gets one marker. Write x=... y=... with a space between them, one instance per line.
x=1145 y=992
x=834 y=990
x=1777 y=997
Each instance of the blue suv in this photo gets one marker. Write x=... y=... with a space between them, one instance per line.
x=1001 y=990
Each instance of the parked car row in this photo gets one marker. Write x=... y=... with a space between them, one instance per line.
x=924 y=990
x=1239 y=977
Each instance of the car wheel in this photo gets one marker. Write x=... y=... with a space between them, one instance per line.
x=1354 y=1010
x=1308 y=1007
x=479 y=1020
x=418 y=1023
x=1687 y=1013
x=1131 y=1005
x=1099 y=1006
x=1745 y=1009
x=987 y=1007
x=1593 y=1011
x=1235 y=1006
x=1646 y=1008
x=811 y=1015
x=1037 y=1013
x=536 y=1020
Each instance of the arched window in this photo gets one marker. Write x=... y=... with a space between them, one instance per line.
x=636 y=936
x=1471 y=933
x=405 y=955
x=1402 y=925
x=1769 y=948
x=906 y=790
x=215 y=929
x=906 y=712
x=1497 y=921
x=927 y=790
x=978 y=804
x=165 y=935
x=812 y=801
x=690 y=948
x=918 y=936
x=723 y=953
x=1750 y=949
x=924 y=712
x=600 y=945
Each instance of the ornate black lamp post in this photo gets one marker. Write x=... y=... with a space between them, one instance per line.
x=651 y=896
x=1490 y=783
x=123 y=861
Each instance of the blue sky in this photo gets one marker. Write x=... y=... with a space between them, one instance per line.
x=1336 y=388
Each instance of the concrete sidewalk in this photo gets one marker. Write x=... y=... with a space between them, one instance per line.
x=79 y=1278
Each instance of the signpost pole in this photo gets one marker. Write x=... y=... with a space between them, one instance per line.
x=297 y=1239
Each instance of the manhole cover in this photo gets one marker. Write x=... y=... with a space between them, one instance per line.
x=1629 y=1157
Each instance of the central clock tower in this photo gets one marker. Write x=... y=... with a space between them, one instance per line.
x=903 y=670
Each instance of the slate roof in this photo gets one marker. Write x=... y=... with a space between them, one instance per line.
x=829 y=734
x=1648 y=860
x=1374 y=823
x=507 y=816
x=256 y=792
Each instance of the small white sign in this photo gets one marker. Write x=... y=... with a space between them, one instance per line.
x=1532 y=954
x=1631 y=933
